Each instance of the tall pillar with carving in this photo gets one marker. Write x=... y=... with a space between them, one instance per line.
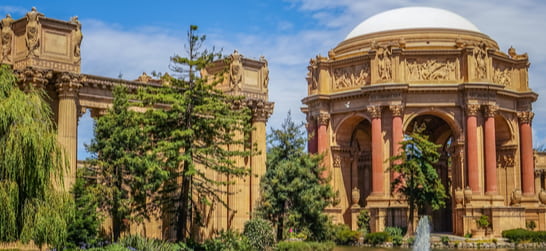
x=67 y=85
x=312 y=132
x=397 y=133
x=526 y=150
x=472 y=147
x=322 y=138
x=490 y=150
x=260 y=113
x=377 y=150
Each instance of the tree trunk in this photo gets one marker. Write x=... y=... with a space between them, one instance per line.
x=280 y=227
x=183 y=205
x=410 y=230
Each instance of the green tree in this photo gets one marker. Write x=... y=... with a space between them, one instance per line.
x=30 y=155
x=197 y=138
x=418 y=180
x=119 y=163
x=294 y=193
x=83 y=229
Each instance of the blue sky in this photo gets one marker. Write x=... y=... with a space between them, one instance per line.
x=131 y=37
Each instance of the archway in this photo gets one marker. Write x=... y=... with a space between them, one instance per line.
x=439 y=132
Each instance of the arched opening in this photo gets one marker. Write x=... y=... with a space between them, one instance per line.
x=439 y=132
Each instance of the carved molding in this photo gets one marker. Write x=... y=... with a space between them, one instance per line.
x=352 y=76
x=506 y=156
x=337 y=161
x=7 y=38
x=472 y=109
x=525 y=117
x=375 y=111
x=490 y=110
x=502 y=75
x=397 y=110
x=433 y=69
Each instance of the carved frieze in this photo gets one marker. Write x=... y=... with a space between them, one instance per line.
x=7 y=38
x=502 y=74
x=432 y=69
x=505 y=156
x=351 y=76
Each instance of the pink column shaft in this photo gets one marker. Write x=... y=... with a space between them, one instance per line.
x=397 y=137
x=377 y=156
x=490 y=156
x=527 y=165
x=472 y=153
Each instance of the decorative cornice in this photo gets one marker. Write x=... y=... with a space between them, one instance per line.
x=472 y=109
x=490 y=110
x=397 y=110
x=375 y=111
x=525 y=117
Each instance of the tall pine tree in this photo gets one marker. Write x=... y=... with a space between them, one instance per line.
x=294 y=193
x=197 y=137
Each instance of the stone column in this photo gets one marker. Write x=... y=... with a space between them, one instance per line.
x=312 y=132
x=260 y=113
x=526 y=150
x=322 y=139
x=67 y=85
x=397 y=133
x=490 y=150
x=472 y=147
x=377 y=150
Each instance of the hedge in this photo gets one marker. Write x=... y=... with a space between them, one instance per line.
x=519 y=235
x=304 y=246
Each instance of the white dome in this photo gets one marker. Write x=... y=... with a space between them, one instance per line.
x=412 y=18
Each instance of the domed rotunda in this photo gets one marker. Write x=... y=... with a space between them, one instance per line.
x=433 y=69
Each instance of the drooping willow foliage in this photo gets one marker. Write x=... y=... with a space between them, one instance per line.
x=30 y=156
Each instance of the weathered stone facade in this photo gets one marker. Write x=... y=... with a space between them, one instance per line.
x=473 y=99
x=45 y=53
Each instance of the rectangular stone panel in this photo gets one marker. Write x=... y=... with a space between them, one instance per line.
x=251 y=77
x=56 y=44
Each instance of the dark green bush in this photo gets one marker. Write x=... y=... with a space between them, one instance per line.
x=343 y=235
x=304 y=246
x=259 y=233
x=228 y=241
x=396 y=235
x=519 y=235
x=136 y=242
x=376 y=238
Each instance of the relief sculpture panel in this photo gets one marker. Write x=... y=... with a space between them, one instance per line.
x=502 y=74
x=351 y=76
x=432 y=69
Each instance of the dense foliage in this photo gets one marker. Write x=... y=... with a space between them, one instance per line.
x=119 y=163
x=418 y=180
x=294 y=193
x=31 y=160
x=304 y=246
x=521 y=235
x=259 y=233
x=343 y=235
x=376 y=238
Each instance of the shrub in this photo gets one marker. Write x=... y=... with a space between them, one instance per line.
x=343 y=235
x=376 y=238
x=444 y=240
x=517 y=235
x=363 y=221
x=136 y=242
x=259 y=233
x=396 y=235
x=483 y=222
x=304 y=246
x=228 y=241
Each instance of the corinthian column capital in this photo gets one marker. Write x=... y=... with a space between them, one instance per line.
x=472 y=109
x=525 y=117
x=490 y=110
x=31 y=77
x=323 y=119
x=397 y=110
x=375 y=111
x=68 y=84
x=261 y=110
